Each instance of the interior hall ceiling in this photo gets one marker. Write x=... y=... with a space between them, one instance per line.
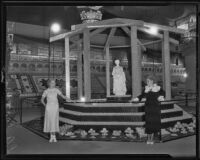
x=70 y=15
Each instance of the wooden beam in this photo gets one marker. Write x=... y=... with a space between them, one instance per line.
x=110 y=21
x=171 y=40
x=109 y=25
x=86 y=56
x=124 y=46
x=99 y=30
x=112 y=32
x=63 y=35
x=107 y=72
x=166 y=66
x=80 y=75
x=67 y=67
x=142 y=46
x=152 y=42
x=165 y=28
x=136 y=64
x=127 y=31
x=97 y=46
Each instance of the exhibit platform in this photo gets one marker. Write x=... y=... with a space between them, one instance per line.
x=98 y=115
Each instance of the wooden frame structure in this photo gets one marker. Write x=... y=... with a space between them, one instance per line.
x=87 y=30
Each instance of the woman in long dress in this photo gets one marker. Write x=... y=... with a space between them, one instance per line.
x=119 y=80
x=51 y=118
x=152 y=94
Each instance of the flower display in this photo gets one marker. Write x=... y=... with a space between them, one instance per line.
x=69 y=134
x=164 y=132
x=116 y=132
x=93 y=132
x=104 y=131
x=141 y=132
x=174 y=134
x=65 y=128
x=128 y=131
x=83 y=133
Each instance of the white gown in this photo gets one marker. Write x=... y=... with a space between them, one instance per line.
x=51 y=119
x=119 y=81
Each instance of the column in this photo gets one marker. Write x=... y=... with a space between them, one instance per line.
x=86 y=57
x=136 y=64
x=166 y=65
x=67 y=67
x=80 y=74
x=107 y=72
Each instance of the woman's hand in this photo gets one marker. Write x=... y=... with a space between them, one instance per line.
x=161 y=98
x=143 y=99
x=135 y=99
x=68 y=100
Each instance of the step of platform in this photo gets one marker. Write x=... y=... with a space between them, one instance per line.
x=117 y=120
x=124 y=99
x=124 y=116
x=112 y=107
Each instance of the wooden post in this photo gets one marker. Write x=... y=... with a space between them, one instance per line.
x=166 y=65
x=80 y=74
x=67 y=67
x=136 y=64
x=86 y=57
x=107 y=72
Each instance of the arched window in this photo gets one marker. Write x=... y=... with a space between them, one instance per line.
x=39 y=66
x=24 y=65
x=31 y=67
x=16 y=65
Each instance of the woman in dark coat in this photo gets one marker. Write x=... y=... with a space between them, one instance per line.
x=152 y=94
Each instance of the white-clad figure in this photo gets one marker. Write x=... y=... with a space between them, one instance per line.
x=119 y=80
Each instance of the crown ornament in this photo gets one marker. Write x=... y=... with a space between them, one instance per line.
x=91 y=16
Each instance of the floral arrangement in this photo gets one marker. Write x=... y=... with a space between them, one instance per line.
x=164 y=132
x=104 y=132
x=92 y=132
x=65 y=128
x=183 y=127
x=141 y=132
x=83 y=133
x=69 y=134
x=129 y=132
x=116 y=132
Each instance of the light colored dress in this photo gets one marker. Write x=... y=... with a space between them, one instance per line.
x=51 y=119
x=119 y=81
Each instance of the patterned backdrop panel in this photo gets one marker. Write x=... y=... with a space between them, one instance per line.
x=41 y=83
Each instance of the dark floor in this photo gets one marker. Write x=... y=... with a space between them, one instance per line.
x=27 y=142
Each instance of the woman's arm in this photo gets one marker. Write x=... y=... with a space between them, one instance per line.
x=42 y=101
x=43 y=97
x=63 y=96
x=140 y=97
x=161 y=95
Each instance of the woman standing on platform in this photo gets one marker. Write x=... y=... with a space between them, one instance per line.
x=152 y=94
x=51 y=118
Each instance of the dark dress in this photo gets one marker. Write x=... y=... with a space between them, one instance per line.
x=152 y=111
